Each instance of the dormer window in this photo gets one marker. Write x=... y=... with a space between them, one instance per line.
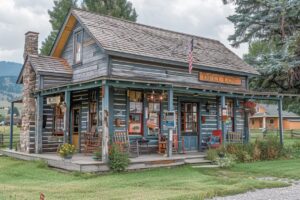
x=78 y=47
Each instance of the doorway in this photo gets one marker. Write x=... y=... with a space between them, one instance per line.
x=190 y=125
x=75 y=126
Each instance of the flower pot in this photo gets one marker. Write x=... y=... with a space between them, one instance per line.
x=68 y=157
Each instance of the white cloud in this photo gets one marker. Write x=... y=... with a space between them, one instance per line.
x=16 y=18
x=205 y=18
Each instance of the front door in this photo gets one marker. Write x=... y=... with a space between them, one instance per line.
x=75 y=126
x=189 y=125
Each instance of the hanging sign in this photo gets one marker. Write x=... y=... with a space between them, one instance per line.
x=219 y=78
x=169 y=119
x=53 y=100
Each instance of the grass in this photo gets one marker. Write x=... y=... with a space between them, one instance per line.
x=287 y=139
x=5 y=130
x=25 y=180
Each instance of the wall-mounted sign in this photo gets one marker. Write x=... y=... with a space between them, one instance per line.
x=169 y=119
x=53 y=100
x=219 y=78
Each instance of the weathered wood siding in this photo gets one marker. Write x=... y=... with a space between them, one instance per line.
x=50 y=143
x=94 y=60
x=240 y=118
x=119 y=100
x=52 y=81
x=178 y=75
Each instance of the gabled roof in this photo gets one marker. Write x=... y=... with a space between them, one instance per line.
x=47 y=65
x=272 y=111
x=121 y=36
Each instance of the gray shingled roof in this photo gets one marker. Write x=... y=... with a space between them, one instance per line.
x=128 y=37
x=47 y=64
x=272 y=111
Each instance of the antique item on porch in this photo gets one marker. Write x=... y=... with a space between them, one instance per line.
x=169 y=120
x=58 y=121
x=203 y=119
x=162 y=144
x=215 y=140
x=175 y=143
x=63 y=106
x=92 y=140
x=118 y=122
x=66 y=151
x=121 y=139
x=135 y=123
x=250 y=107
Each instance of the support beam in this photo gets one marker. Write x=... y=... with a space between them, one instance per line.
x=11 y=132
x=39 y=124
x=223 y=125
x=246 y=126
x=280 y=121
x=218 y=112
x=105 y=121
x=170 y=133
x=67 y=116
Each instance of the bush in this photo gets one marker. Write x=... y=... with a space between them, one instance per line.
x=211 y=154
x=118 y=160
x=226 y=162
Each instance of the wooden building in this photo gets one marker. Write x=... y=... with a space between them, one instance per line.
x=111 y=75
x=266 y=117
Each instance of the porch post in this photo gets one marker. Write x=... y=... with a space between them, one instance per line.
x=170 y=108
x=218 y=112
x=39 y=123
x=105 y=120
x=11 y=126
x=246 y=126
x=280 y=121
x=67 y=116
x=223 y=106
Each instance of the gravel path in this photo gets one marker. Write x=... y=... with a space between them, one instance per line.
x=286 y=193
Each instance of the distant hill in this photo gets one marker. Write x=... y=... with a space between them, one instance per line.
x=9 y=90
x=9 y=68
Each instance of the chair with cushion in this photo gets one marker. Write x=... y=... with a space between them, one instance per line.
x=215 y=140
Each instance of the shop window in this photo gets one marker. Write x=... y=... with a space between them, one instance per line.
x=92 y=109
x=135 y=126
x=189 y=118
x=78 y=37
x=154 y=112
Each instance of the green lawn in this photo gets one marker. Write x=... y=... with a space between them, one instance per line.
x=6 y=130
x=25 y=180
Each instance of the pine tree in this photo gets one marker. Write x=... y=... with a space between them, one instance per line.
x=57 y=16
x=116 y=8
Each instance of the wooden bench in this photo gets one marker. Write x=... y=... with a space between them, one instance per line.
x=295 y=133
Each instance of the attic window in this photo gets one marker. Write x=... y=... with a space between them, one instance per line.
x=78 y=47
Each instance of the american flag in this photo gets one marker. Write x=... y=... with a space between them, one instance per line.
x=190 y=56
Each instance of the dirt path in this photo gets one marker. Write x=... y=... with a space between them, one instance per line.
x=286 y=193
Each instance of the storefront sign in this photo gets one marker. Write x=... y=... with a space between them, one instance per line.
x=53 y=100
x=219 y=78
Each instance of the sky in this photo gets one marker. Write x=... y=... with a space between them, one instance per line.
x=206 y=18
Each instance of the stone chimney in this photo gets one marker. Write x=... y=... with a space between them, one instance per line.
x=29 y=104
x=31 y=43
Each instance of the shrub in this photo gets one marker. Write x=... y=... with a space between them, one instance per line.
x=226 y=162
x=118 y=160
x=211 y=154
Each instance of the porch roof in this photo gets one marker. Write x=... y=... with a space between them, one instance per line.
x=190 y=89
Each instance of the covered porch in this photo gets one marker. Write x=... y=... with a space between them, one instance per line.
x=106 y=108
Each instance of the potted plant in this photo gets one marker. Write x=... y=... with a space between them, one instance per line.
x=66 y=151
x=97 y=155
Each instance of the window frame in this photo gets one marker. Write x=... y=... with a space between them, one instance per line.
x=75 y=34
x=194 y=114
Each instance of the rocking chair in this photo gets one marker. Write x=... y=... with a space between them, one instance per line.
x=92 y=140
